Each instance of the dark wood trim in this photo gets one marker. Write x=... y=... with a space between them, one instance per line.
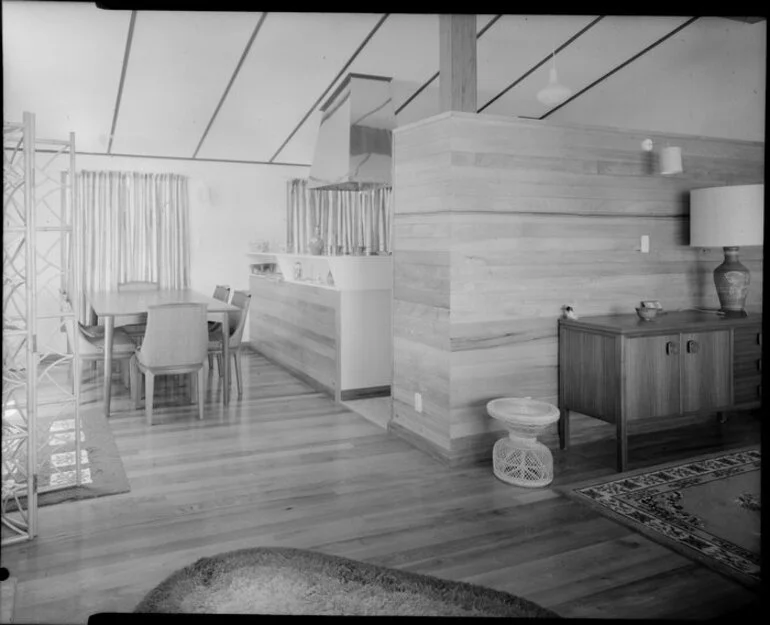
x=569 y=41
x=244 y=54
x=174 y=158
x=331 y=84
x=489 y=25
x=432 y=78
x=363 y=393
x=126 y=55
x=619 y=67
x=416 y=93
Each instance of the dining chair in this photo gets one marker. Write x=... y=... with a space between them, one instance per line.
x=175 y=343
x=237 y=322
x=134 y=325
x=90 y=344
x=222 y=293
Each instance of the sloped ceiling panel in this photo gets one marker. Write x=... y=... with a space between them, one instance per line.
x=405 y=48
x=518 y=42
x=178 y=69
x=709 y=79
x=586 y=59
x=62 y=61
x=293 y=59
x=506 y=51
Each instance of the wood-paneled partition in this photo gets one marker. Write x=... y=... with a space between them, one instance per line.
x=499 y=222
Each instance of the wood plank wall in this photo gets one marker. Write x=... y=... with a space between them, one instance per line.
x=295 y=325
x=421 y=287
x=536 y=215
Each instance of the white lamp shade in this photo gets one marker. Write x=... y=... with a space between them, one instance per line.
x=671 y=161
x=554 y=93
x=727 y=216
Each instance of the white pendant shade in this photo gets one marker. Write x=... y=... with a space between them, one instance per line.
x=554 y=93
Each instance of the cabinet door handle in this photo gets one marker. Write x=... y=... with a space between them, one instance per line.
x=759 y=390
x=759 y=364
x=672 y=348
x=692 y=347
x=759 y=338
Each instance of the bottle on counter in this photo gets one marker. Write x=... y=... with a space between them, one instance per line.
x=316 y=243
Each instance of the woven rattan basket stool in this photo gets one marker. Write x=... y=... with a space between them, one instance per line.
x=521 y=459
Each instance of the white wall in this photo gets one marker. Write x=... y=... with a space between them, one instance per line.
x=708 y=80
x=230 y=205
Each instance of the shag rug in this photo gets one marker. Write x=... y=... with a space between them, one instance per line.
x=102 y=471
x=706 y=508
x=276 y=580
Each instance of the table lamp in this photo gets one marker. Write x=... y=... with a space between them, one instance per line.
x=728 y=217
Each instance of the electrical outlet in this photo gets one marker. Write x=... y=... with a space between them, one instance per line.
x=418 y=402
x=645 y=244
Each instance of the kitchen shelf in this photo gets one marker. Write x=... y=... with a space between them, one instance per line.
x=349 y=273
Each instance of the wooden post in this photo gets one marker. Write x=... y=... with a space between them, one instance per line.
x=457 y=62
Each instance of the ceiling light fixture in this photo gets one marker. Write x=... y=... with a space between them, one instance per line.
x=554 y=93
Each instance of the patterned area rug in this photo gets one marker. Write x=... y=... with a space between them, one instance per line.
x=706 y=508
x=102 y=471
x=288 y=581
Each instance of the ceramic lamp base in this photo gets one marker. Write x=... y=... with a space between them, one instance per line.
x=732 y=279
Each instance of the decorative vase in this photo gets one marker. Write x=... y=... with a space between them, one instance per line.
x=731 y=279
x=316 y=244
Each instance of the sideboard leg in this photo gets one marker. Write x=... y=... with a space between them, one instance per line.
x=722 y=416
x=563 y=428
x=622 y=436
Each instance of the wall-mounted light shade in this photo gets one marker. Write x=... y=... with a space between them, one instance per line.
x=670 y=161
x=727 y=216
x=554 y=93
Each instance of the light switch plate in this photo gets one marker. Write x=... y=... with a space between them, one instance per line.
x=418 y=402
x=645 y=244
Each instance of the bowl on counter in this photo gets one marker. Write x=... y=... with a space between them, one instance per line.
x=647 y=314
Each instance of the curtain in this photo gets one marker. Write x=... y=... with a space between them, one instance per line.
x=132 y=227
x=350 y=222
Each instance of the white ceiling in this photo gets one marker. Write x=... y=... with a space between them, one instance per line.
x=237 y=86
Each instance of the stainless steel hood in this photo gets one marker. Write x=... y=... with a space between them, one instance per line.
x=354 y=149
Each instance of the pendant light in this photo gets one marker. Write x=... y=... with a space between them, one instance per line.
x=554 y=93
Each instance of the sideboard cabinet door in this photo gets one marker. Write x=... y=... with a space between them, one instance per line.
x=707 y=370
x=652 y=375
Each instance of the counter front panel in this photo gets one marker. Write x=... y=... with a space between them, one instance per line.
x=296 y=326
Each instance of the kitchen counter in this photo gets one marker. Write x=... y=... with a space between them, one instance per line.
x=337 y=337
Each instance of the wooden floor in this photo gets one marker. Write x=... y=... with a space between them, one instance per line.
x=286 y=466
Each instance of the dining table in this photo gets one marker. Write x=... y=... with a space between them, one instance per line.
x=110 y=304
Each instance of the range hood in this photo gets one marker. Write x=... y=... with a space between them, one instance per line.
x=354 y=149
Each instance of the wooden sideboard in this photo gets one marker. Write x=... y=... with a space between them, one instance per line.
x=618 y=368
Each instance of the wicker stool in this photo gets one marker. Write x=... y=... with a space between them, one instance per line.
x=520 y=459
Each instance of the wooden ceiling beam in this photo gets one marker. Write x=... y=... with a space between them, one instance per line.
x=457 y=62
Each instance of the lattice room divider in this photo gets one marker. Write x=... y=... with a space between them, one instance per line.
x=40 y=400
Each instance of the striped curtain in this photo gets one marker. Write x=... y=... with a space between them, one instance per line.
x=133 y=227
x=350 y=222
